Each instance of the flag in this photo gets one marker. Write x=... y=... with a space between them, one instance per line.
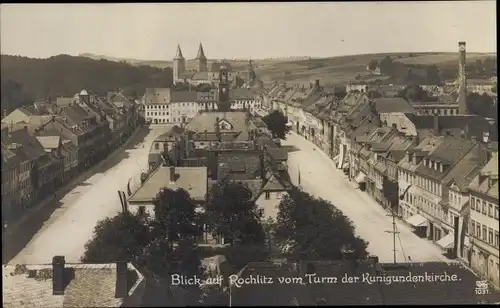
x=121 y=200
x=128 y=187
x=125 y=209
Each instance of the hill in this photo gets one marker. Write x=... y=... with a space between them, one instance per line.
x=25 y=80
x=334 y=70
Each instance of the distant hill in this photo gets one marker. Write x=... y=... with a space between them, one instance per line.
x=24 y=80
x=333 y=70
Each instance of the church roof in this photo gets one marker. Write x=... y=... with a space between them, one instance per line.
x=201 y=53
x=178 y=54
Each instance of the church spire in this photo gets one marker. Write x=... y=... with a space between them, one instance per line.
x=201 y=53
x=178 y=54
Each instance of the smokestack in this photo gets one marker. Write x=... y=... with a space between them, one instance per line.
x=217 y=128
x=462 y=79
x=436 y=124
x=121 y=289
x=58 y=263
x=172 y=174
x=349 y=257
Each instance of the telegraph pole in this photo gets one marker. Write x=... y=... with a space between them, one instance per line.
x=394 y=228
x=394 y=233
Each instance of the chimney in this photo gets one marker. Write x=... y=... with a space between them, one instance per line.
x=436 y=124
x=462 y=79
x=172 y=174
x=121 y=289
x=58 y=275
x=217 y=128
x=317 y=87
x=348 y=254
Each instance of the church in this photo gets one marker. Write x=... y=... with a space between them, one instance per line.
x=202 y=75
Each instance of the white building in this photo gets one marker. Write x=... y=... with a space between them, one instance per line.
x=243 y=98
x=164 y=106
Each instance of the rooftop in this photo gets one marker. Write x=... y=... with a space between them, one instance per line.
x=87 y=285
x=191 y=179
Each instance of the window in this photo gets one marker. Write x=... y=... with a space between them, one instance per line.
x=157 y=146
x=478 y=230
x=473 y=203
x=484 y=234
x=496 y=212
x=490 y=209
x=142 y=210
x=484 y=207
x=490 y=236
x=268 y=195
x=496 y=239
x=278 y=195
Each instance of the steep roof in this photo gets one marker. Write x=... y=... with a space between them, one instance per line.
x=157 y=96
x=201 y=53
x=207 y=120
x=487 y=183
x=392 y=104
x=91 y=285
x=242 y=94
x=191 y=179
x=49 y=142
x=178 y=54
x=183 y=96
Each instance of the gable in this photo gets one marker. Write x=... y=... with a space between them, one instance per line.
x=225 y=125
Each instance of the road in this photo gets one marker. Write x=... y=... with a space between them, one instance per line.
x=320 y=178
x=71 y=225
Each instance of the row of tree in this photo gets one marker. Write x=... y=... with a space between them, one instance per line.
x=25 y=80
x=432 y=74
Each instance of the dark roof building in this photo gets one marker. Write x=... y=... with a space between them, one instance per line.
x=72 y=285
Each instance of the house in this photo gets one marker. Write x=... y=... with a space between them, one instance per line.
x=191 y=179
x=182 y=105
x=244 y=99
x=156 y=101
x=439 y=163
x=72 y=285
x=435 y=108
x=327 y=283
x=227 y=126
x=483 y=232
x=10 y=184
x=275 y=187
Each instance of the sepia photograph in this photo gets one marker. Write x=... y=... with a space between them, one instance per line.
x=249 y=154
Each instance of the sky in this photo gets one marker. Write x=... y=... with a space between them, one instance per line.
x=246 y=30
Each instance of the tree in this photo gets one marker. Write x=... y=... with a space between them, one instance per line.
x=315 y=227
x=276 y=121
x=372 y=65
x=386 y=66
x=120 y=238
x=481 y=104
x=414 y=93
x=175 y=217
x=432 y=75
x=232 y=213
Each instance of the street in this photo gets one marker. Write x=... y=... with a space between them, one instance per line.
x=71 y=225
x=320 y=178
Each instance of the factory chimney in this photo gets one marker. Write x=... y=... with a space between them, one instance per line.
x=462 y=79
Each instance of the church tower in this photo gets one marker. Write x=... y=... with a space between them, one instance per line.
x=249 y=75
x=201 y=60
x=179 y=64
x=224 y=103
x=462 y=80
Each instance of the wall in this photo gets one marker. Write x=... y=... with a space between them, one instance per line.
x=270 y=206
